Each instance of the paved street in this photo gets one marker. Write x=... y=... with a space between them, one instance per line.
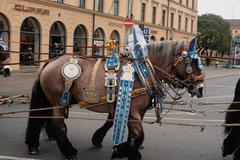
x=168 y=142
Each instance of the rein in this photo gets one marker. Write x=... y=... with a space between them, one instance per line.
x=170 y=77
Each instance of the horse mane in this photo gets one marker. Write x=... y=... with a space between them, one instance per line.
x=166 y=49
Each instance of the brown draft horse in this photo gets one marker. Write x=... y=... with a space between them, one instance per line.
x=49 y=86
x=231 y=143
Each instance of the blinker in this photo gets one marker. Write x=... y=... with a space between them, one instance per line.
x=189 y=69
x=184 y=54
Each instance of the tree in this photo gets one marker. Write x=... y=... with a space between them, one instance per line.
x=214 y=33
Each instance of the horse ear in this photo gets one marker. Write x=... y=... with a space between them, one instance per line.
x=192 y=46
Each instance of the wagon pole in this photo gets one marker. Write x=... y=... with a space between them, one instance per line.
x=146 y=121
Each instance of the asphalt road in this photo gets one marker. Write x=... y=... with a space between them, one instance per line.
x=168 y=142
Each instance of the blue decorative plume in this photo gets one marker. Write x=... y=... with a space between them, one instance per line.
x=192 y=51
x=192 y=47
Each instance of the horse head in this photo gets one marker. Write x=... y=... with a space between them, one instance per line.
x=179 y=65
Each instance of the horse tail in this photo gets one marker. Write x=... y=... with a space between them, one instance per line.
x=38 y=101
x=42 y=67
x=233 y=117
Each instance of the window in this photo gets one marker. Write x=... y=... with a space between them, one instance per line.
x=115 y=7
x=57 y=39
x=154 y=15
x=172 y=20
x=236 y=31
x=100 y=6
x=180 y=1
x=115 y=36
x=59 y=1
x=179 y=22
x=98 y=42
x=29 y=41
x=4 y=35
x=193 y=4
x=143 y=12
x=192 y=23
x=80 y=41
x=163 y=17
x=187 y=3
x=152 y=39
x=186 y=24
x=82 y=4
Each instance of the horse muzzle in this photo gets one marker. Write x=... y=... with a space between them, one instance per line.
x=5 y=71
x=196 y=90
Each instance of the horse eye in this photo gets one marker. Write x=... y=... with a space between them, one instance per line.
x=184 y=54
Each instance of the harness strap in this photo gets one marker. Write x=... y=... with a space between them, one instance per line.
x=180 y=59
x=91 y=95
x=103 y=99
x=92 y=84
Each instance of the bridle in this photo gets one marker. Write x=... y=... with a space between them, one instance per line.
x=173 y=76
x=188 y=69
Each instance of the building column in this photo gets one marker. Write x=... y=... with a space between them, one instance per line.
x=15 y=47
x=44 y=46
x=69 y=42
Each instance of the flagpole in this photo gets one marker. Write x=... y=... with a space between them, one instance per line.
x=130 y=2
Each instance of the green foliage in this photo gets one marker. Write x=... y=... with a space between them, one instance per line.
x=214 y=33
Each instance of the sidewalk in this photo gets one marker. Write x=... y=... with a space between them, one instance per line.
x=21 y=82
x=212 y=72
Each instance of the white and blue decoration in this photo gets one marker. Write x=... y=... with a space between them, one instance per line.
x=192 y=52
x=123 y=103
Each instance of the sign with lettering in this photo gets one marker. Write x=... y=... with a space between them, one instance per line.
x=146 y=33
x=98 y=43
x=23 y=8
x=113 y=24
x=154 y=32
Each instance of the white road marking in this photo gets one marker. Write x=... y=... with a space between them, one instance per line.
x=15 y=158
x=182 y=119
x=149 y=114
x=220 y=86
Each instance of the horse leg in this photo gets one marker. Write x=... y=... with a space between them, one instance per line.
x=59 y=133
x=99 y=135
x=231 y=142
x=129 y=149
x=49 y=130
x=236 y=155
x=34 y=126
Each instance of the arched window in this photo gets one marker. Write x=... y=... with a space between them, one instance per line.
x=115 y=36
x=152 y=39
x=98 y=42
x=29 y=41
x=4 y=32
x=57 y=39
x=80 y=40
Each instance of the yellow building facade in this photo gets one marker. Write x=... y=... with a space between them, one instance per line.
x=235 y=27
x=35 y=30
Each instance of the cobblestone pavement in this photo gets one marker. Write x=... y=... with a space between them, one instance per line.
x=21 y=82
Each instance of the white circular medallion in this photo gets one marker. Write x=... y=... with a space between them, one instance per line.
x=71 y=70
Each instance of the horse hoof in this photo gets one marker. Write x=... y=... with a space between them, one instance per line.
x=51 y=139
x=97 y=145
x=96 y=142
x=33 y=151
x=140 y=147
x=116 y=153
x=223 y=152
x=71 y=158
